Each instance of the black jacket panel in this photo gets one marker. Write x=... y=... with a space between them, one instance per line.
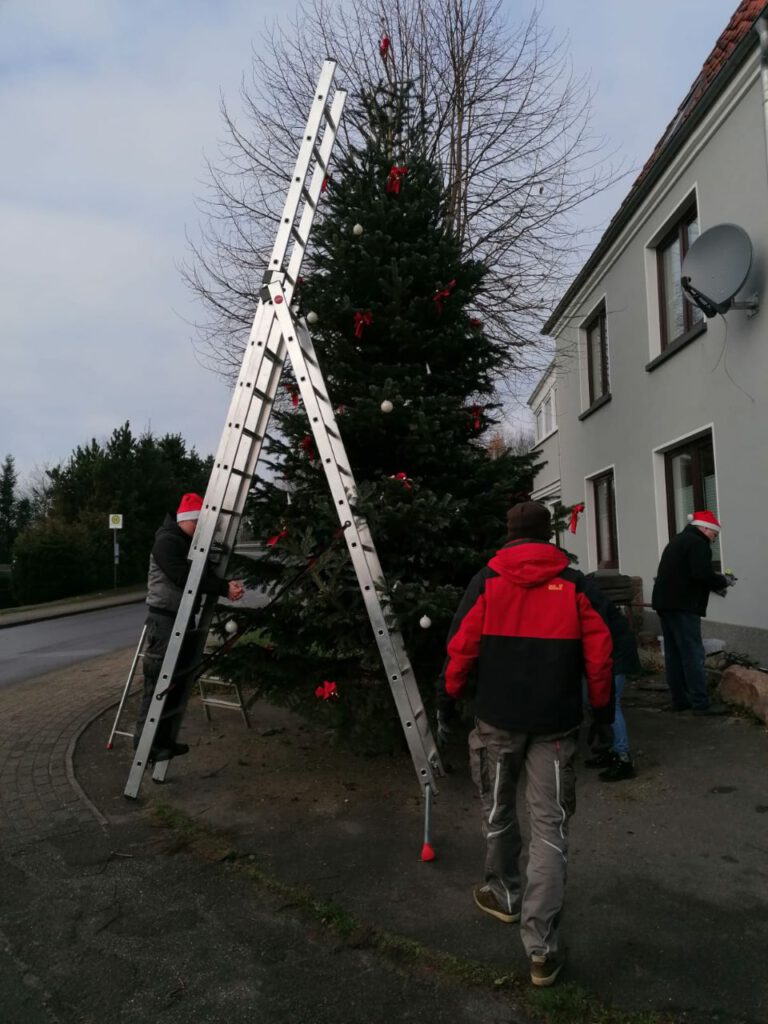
x=169 y=568
x=685 y=575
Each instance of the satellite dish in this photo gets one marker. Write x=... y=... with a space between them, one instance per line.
x=716 y=268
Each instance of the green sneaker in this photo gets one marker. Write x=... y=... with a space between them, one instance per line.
x=487 y=902
x=545 y=969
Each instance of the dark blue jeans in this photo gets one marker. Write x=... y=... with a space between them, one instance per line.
x=684 y=659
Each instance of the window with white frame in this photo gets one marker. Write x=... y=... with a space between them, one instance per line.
x=596 y=331
x=546 y=416
x=606 y=533
x=678 y=317
x=691 y=484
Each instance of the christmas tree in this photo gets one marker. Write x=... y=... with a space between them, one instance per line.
x=395 y=312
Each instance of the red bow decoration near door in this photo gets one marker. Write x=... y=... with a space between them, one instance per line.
x=576 y=511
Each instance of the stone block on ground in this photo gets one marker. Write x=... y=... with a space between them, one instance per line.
x=747 y=687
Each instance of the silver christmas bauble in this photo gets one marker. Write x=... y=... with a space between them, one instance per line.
x=312 y=317
x=231 y=626
x=358 y=230
x=425 y=622
x=386 y=406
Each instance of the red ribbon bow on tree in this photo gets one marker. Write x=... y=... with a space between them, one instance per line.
x=576 y=511
x=307 y=446
x=384 y=45
x=326 y=182
x=476 y=412
x=293 y=391
x=394 y=177
x=326 y=691
x=362 y=320
x=445 y=293
x=277 y=537
x=404 y=479
x=475 y=322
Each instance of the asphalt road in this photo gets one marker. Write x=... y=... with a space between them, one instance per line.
x=38 y=647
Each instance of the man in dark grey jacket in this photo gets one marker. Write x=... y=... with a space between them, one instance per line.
x=168 y=570
x=684 y=581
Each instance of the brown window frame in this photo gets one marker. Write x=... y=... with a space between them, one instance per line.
x=693 y=447
x=598 y=319
x=678 y=232
x=612 y=561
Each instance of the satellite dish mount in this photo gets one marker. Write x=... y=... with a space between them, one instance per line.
x=716 y=268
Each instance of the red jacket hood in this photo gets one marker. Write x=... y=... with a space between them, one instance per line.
x=529 y=563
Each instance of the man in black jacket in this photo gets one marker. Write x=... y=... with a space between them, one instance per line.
x=683 y=584
x=168 y=570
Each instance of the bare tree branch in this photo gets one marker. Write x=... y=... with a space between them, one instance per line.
x=509 y=124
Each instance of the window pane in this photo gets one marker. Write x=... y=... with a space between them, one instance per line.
x=595 y=357
x=682 y=488
x=604 y=524
x=547 y=416
x=672 y=311
x=695 y=315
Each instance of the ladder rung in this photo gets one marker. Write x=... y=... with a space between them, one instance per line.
x=241 y=473
x=322 y=164
x=253 y=434
x=307 y=197
x=297 y=235
x=329 y=118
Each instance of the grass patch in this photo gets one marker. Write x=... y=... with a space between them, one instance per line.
x=563 y=1004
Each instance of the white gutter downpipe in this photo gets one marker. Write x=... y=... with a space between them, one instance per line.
x=761 y=27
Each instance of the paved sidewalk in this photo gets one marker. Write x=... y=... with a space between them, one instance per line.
x=116 y=920
x=62 y=609
x=668 y=891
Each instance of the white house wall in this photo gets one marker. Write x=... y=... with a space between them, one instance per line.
x=725 y=165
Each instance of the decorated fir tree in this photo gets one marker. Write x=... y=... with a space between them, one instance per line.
x=395 y=312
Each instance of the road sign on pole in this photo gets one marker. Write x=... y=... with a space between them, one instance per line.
x=115 y=524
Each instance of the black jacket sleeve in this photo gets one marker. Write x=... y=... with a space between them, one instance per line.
x=171 y=553
x=626 y=660
x=700 y=566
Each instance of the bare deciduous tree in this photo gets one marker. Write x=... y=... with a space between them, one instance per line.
x=509 y=124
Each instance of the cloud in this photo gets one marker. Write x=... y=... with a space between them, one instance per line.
x=107 y=109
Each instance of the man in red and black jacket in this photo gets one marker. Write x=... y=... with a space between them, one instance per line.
x=533 y=628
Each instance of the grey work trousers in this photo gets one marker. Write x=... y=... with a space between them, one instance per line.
x=498 y=759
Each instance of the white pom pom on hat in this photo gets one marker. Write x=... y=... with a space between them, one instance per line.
x=704 y=518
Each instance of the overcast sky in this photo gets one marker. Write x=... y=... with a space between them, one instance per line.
x=107 y=108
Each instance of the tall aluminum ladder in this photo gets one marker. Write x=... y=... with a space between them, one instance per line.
x=273 y=333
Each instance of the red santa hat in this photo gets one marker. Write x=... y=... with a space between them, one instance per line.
x=704 y=518
x=189 y=508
